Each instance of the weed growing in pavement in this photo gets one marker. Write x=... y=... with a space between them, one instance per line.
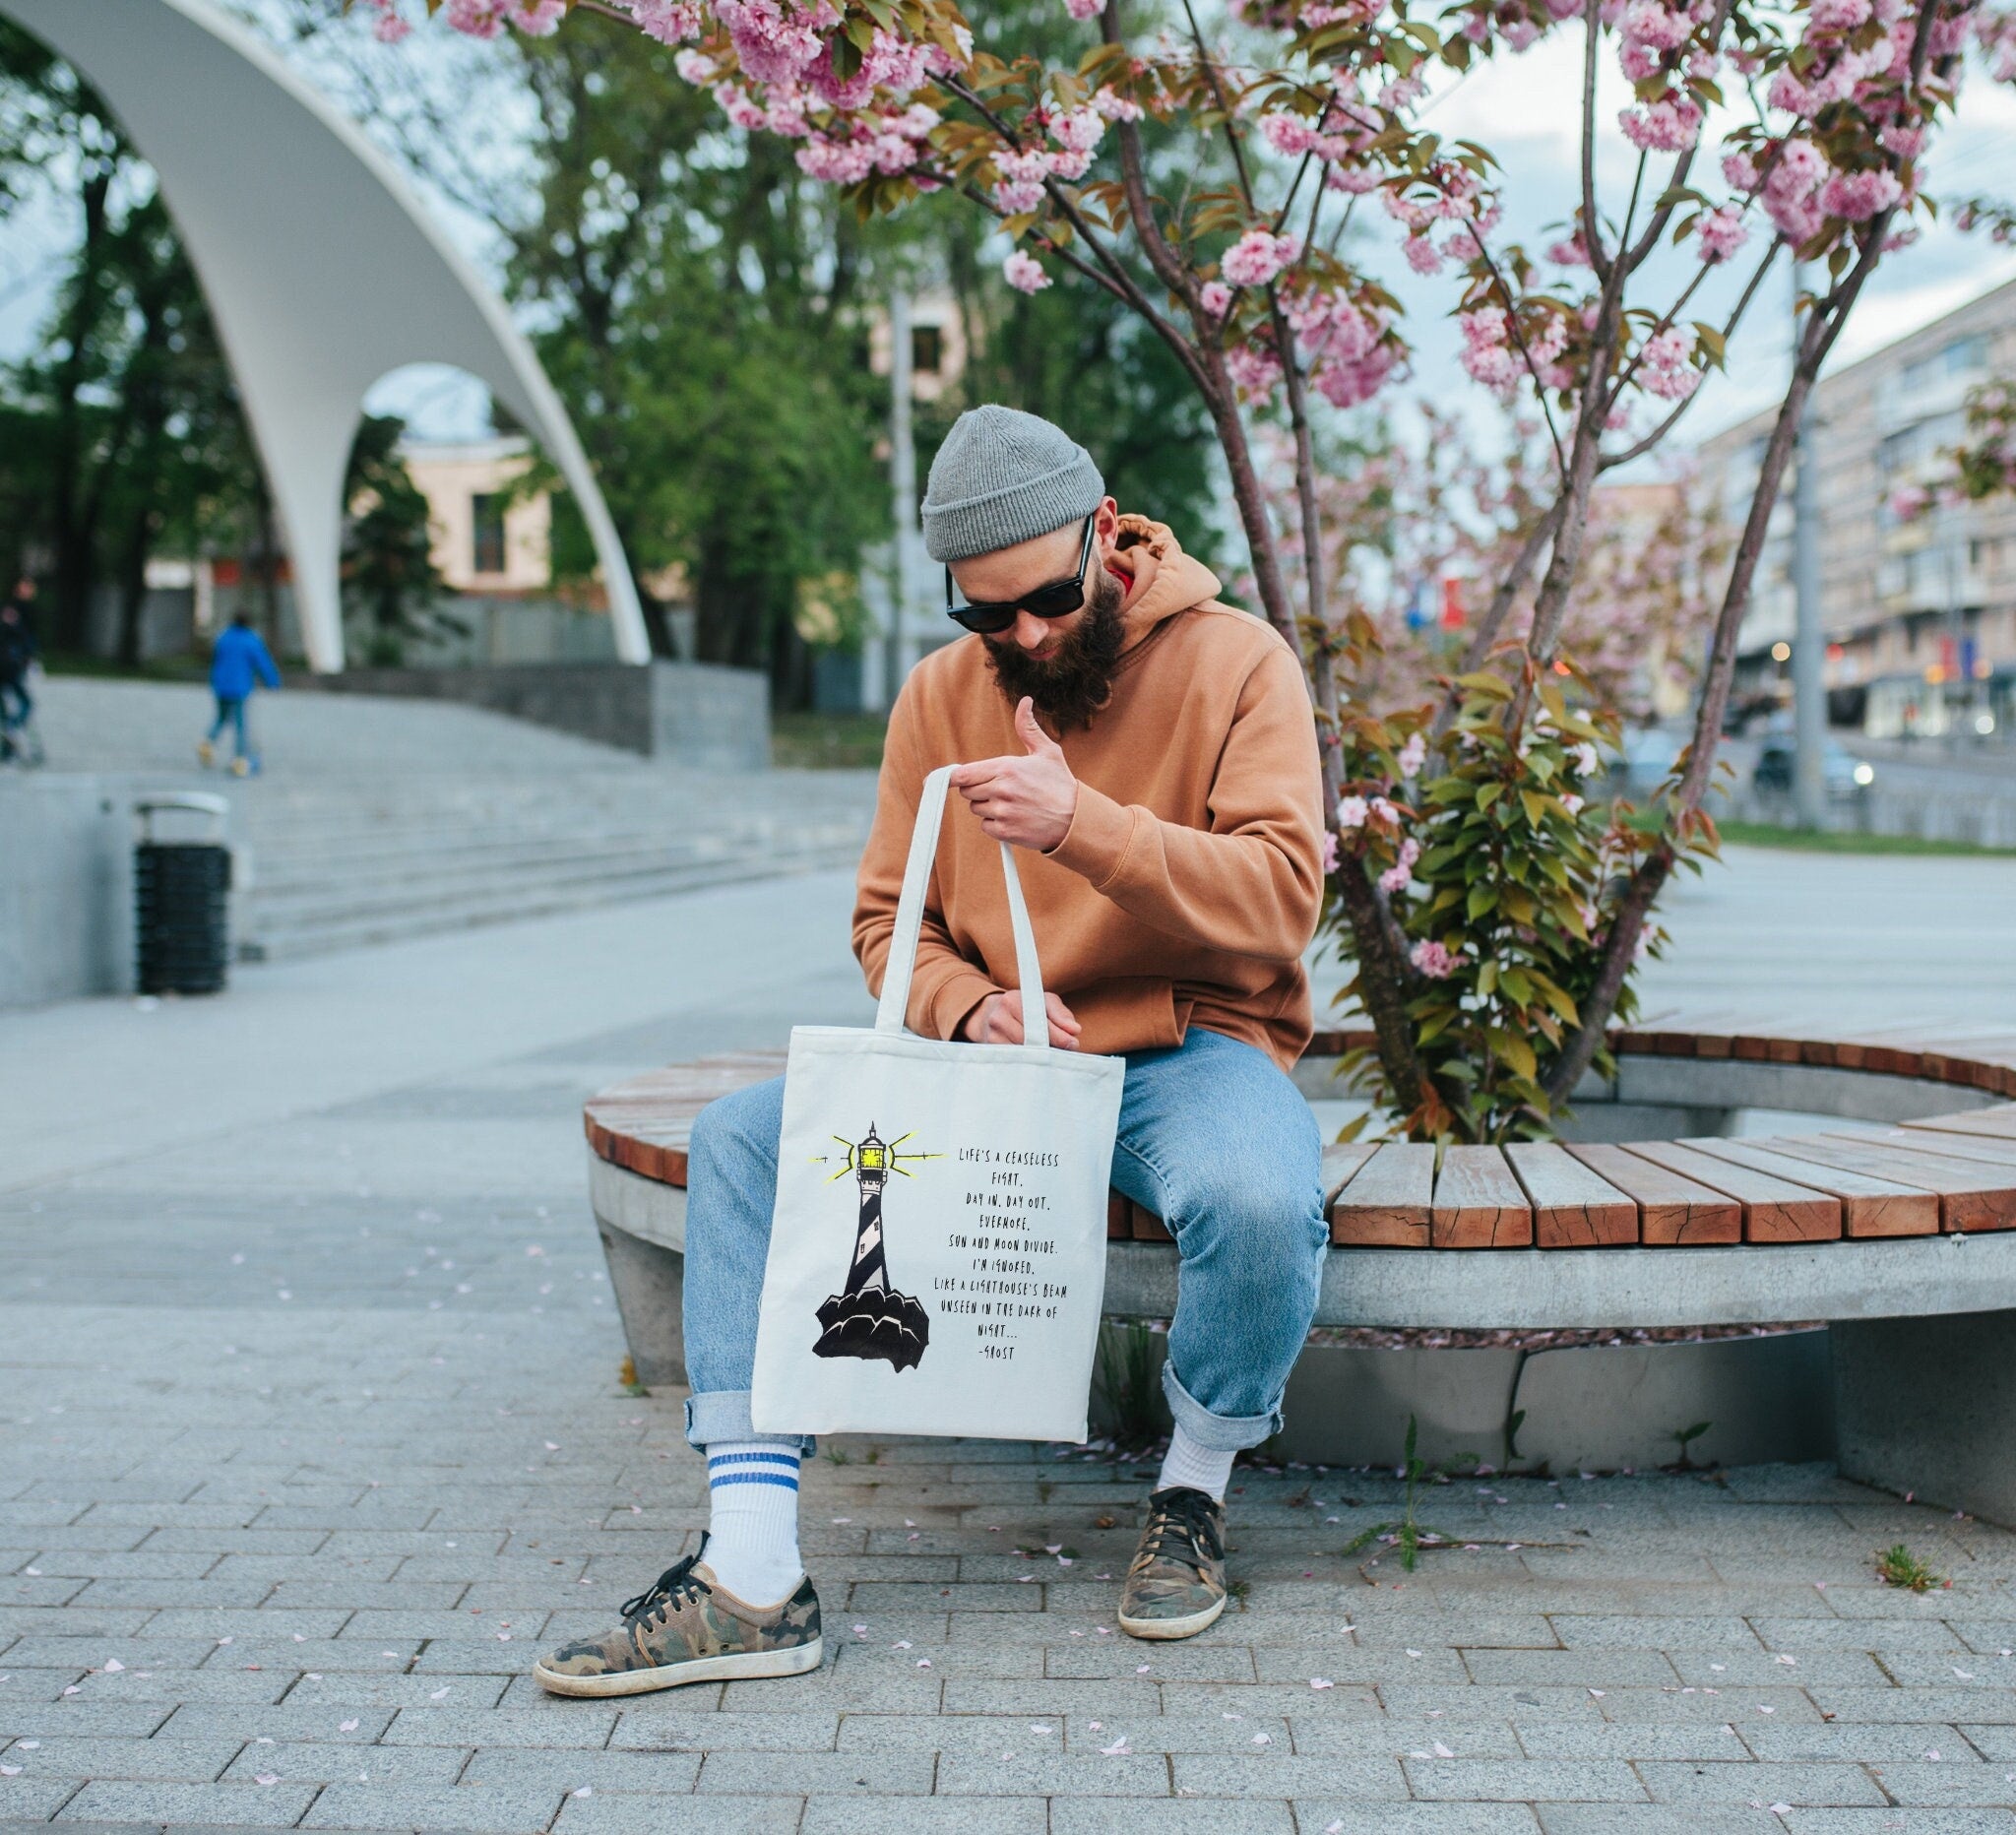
x=1410 y=1532
x=1898 y=1568
x=1687 y=1437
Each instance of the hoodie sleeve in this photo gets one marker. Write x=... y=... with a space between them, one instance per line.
x=945 y=987
x=1252 y=883
x=262 y=661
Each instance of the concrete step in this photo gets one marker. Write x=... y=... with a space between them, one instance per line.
x=321 y=872
x=339 y=894
x=311 y=934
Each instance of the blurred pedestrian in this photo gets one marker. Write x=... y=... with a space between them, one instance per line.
x=17 y=657
x=239 y=662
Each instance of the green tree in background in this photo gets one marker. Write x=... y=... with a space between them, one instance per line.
x=125 y=434
x=390 y=587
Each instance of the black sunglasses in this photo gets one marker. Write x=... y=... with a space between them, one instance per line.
x=1059 y=600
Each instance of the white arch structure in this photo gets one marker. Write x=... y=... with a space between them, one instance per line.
x=322 y=269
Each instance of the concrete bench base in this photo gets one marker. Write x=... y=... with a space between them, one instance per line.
x=1928 y=1405
x=1924 y=1399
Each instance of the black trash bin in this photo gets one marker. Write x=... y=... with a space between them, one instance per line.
x=181 y=890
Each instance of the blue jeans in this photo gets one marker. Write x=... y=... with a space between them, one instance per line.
x=230 y=712
x=1214 y=1139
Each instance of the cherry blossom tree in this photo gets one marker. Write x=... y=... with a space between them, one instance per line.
x=1754 y=128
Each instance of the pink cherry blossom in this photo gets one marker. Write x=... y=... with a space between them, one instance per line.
x=1257 y=257
x=1021 y=184
x=670 y=22
x=1116 y=107
x=536 y=18
x=1859 y=196
x=1720 y=234
x=475 y=19
x=1667 y=368
x=1435 y=959
x=1329 y=851
x=1352 y=812
x=1023 y=272
x=1255 y=373
x=1084 y=9
x=1423 y=256
x=390 y=27
x=1413 y=755
x=1668 y=126
x=1214 y=298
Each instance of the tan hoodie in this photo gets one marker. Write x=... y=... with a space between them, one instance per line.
x=1188 y=884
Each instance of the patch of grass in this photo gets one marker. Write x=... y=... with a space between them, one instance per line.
x=1827 y=840
x=827 y=741
x=190 y=668
x=1898 y=1568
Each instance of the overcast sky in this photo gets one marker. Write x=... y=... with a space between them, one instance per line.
x=1523 y=109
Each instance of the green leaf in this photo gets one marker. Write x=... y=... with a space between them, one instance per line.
x=1482 y=898
x=1514 y=1050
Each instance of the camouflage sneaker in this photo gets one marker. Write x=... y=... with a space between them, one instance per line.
x=687 y=1627
x=1176 y=1584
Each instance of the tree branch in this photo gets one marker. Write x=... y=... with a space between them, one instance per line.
x=1592 y=234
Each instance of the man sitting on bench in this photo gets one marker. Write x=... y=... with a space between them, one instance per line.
x=1154 y=754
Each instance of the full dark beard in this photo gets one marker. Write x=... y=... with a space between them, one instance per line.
x=1074 y=684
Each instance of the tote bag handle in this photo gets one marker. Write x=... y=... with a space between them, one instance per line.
x=910 y=923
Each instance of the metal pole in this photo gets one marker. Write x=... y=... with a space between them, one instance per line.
x=903 y=474
x=1808 y=644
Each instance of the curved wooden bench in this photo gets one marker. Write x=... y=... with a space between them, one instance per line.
x=1694 y=1229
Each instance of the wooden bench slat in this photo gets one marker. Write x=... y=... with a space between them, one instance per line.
x=1573 y=1207
x=1388 y=1201
x=1869 y=1206
x=1999 y=1124
x=1983 y=1147
x=1972 y=1195
x=1119 y=1224
x=1145 y=1226
x=1672 y=1209
x=1341 y=1161
x=1775 y=1210
x=1478 y=1202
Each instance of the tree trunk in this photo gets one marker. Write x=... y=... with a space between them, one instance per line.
x=71 y=536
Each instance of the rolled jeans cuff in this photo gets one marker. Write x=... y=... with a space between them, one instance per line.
x=1222 y=1433
x=724 y=1415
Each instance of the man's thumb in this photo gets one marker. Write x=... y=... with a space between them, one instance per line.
x=1033 y=736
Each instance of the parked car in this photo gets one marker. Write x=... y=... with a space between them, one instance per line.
x=1845 y=775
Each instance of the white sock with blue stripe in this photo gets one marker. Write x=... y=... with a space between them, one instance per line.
x=752 y=1542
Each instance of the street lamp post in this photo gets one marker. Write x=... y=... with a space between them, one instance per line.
x=1808 y=648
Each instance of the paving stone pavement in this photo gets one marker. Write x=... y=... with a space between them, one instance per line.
x=311 y=1437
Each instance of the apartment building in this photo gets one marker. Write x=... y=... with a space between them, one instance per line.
x=1919 y=617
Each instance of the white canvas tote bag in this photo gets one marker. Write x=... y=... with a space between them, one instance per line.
x=937 y=1254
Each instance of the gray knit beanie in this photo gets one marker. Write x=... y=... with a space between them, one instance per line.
x=1003 y=477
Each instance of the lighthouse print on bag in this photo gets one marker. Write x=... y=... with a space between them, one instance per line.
x=869 y=1319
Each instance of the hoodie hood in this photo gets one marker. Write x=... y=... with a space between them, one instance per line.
x=1164 y=580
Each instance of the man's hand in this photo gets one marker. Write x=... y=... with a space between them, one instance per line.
x=997 y=1020
x=1028 y=800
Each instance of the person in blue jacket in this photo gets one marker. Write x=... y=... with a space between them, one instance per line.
x=237 y=662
